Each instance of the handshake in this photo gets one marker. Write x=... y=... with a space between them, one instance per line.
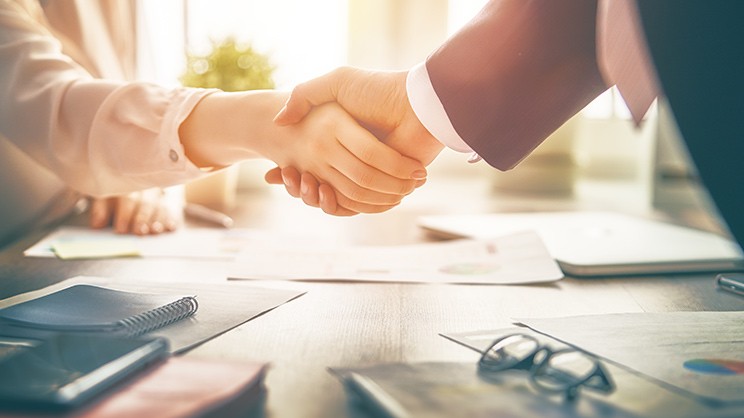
x=390 y=158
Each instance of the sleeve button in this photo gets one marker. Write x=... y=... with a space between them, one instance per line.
x=173 y=155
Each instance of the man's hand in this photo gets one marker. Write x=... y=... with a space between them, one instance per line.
x=378 y=100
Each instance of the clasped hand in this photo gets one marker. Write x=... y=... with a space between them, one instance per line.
x=378 y=101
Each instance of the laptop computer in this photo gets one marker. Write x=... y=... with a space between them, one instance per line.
x=595 y=243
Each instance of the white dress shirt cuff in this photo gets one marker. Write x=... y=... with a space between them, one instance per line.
x=429 y=109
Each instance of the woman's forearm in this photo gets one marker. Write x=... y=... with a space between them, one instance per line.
x=225 y=128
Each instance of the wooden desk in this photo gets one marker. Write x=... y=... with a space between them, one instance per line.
x=355 y=324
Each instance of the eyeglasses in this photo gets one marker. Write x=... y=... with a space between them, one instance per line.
x=551 y=371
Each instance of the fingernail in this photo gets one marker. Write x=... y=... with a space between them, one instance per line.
x=287 y=181
x=157 y=227
x=321 y=197
x=304 y=188
x=419 y=175
x=142 y=229
x=281 y=113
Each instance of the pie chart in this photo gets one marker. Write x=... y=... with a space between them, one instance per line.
x=715 y=366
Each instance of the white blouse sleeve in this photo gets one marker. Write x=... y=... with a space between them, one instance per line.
x=100 y=137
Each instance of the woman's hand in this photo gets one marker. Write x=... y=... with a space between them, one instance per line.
x=367 y=175
x=141 y=213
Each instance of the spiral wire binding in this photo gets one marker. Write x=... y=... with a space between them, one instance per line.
x=157 y=318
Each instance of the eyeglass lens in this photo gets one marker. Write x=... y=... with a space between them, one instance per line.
x=563 y=369
x=509 y=351
x=559 y=371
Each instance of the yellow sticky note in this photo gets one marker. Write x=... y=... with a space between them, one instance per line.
x=71 y=250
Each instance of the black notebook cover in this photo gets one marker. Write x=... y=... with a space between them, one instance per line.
x=94 y=308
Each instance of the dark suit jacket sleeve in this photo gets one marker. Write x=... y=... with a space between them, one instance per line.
x=517 y=72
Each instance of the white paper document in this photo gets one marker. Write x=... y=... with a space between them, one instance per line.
x=596 y=243
x=209 y=243
x=635 y=393
x=512 y=259
x=700 y=354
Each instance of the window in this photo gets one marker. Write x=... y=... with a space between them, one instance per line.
x=303 y=39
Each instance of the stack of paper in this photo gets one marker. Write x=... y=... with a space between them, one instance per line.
x=512 y=259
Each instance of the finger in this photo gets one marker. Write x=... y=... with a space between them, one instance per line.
x=370 y=178
x=146 y=212
x=293 y=111
x=170 y=221
x=124 y=213
x=355 y=174
x=159 y=213
x=308 y=94
x=155 y=223
x=343 y=212
x=339 y=211
x=292 y=181
x=328 y=200
x=100 y=212
x=168 y=210
x=322 y=195
x=358 y=207
x=361 y=200
x=309 y=190
x=274 y=176
x=316 y=194
x=163 y=220
x=357 y=199
x=345 y=186
x=368 y=149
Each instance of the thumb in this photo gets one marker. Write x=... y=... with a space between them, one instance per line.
x=274 y=176
x=294 y=109
x=306 y=95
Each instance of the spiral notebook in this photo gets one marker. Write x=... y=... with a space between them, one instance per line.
x=88 y=308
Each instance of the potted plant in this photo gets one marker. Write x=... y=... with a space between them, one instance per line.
x=229 y=66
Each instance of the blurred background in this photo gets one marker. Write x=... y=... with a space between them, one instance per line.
x=303 y=39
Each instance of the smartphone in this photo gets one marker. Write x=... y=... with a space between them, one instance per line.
x=64 y=370
x=732 y=282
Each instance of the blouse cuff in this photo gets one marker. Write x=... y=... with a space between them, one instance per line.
x=172 y=120
x=136 y=143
